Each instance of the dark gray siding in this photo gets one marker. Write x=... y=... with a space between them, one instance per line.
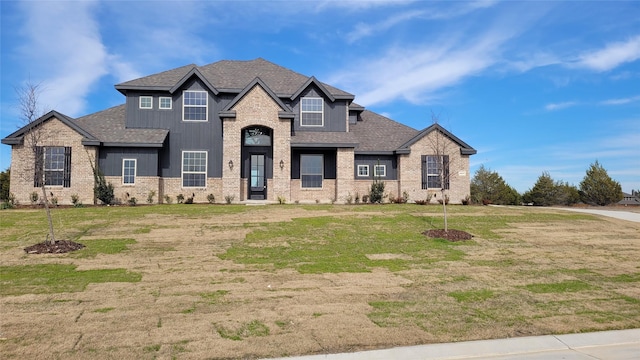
x=110 y=160
x=183 y=135
x=335 y=113
x=329 y=161
x=389 y=161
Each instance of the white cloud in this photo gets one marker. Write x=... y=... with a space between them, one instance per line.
x=612 y=55
x=559 y=106
x=66 y=55
x=366 y=29
x=621 y=101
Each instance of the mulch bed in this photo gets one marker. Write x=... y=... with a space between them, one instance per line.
x=451 y=235
x=53 y=247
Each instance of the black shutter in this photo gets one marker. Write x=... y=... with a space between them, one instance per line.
x=38 y=165
x=67 y=167
x=424 y=172
x=445 y=163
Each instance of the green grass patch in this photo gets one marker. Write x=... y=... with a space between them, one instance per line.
x=254 y=328
x=625 y=278
x=471 y=295
x=214 y=297
x=561 y=287
x=57 y=278
x=103 y=310
x=102 y=246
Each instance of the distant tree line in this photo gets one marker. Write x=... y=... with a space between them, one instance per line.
x=596 y=188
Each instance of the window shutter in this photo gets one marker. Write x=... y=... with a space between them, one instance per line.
x=445 y=163
x=424 y=171
x=67 y=167
x=38 y=165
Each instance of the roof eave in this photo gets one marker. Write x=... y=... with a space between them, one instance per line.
x=324 y=145
x=13 y=140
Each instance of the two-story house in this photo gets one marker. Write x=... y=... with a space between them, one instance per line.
x=236 y=130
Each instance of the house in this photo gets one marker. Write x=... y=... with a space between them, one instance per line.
x=236 y=130
x=630 y=199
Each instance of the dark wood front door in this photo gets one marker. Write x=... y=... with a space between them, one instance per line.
x=257 y=180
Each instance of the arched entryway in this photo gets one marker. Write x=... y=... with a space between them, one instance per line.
x=257 y=160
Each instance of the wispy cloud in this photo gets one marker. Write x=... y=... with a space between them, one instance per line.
x=365 y=29
x=612 y=56
x=621 y=101
x=560 y=106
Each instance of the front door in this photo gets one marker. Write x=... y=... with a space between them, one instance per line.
x=257 y=180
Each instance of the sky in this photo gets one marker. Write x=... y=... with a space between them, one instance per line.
x=534 y=86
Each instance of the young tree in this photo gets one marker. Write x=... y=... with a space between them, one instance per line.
x=441 y=146
x=598 y=188
x=30 y=111
x=489 y=187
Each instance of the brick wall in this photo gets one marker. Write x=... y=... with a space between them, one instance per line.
x=325 y=195
x=53 y=133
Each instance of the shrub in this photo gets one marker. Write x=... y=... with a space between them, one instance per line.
x=376 y=193
x=466 y=200
x=34 y=198
x=282 y=200
x=168 y=199
x=349 y=199
x=229 y=199
x=190 y=199
x=75 y=200
x=54 y=201
x=357 y=199
x=211 y=198
x=102 y=190
x=179 y=198
x=152 y=193
x=365 y=198
x=132 y=201
x=446 y=200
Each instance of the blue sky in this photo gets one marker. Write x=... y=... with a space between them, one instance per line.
x=534 y=86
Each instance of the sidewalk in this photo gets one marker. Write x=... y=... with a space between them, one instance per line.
x=606 y=345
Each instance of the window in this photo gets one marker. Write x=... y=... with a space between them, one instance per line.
x=434 y=168
x=380 y=170
x=53 y=165
x=311 y=111
x=166 y=103
x=146 y=102
x=311 y=170
x=194 y=106
x=129 y=171
x=194 y=169
x=363 y=170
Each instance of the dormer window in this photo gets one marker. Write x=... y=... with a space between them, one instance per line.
x=146 y=102
x=311 y=111
x=194 y=106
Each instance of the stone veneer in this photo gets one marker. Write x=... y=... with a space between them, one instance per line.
x=53 y=133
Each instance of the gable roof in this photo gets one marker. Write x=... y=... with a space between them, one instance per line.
x=17 y=137
x=286 y=111
x=378 y=134
x=233 y=76
x=465 y=149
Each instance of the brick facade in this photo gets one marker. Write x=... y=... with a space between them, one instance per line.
x=53 y=133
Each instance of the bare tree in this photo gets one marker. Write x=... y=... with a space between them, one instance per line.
x=30 y=112
x=440 y=161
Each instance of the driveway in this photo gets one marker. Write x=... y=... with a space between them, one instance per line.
x=623 y=215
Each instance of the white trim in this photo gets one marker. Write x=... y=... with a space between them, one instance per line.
x=165 y=98
x=382 y=167
x=364 y=167
x=182 y=172
x=145 y=97
x=205 y=106
x=321 y=112
x=135 y=171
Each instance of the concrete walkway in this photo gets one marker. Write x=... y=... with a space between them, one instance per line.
x=623 y=215
x=606 y=345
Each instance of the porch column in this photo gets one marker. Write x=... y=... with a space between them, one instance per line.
x=344 y=174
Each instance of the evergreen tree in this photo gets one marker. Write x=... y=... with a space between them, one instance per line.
x=543 y=193
x=4 y=184
x=489 y=187
x=597 y=188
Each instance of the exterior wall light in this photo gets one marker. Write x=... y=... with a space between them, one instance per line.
x=230 y=164
x=281 y=164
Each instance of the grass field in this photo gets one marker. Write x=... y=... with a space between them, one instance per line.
x=230 y=281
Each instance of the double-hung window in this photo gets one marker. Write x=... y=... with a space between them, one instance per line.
x=194 y=105
x=194 y=169
x=146 y=102
x=380 y=171
x=165 y=103
x=53 y=166
x=129 y=171
x=435 y=169
x=363 y=170
x=311 y=111
x=311 y=170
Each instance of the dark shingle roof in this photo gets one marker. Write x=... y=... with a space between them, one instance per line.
x=324 y=139
x=109 y=127
x=233 y=76
x=376 y=133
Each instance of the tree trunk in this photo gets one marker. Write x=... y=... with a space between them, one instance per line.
x=444 y=208
x=51 y=239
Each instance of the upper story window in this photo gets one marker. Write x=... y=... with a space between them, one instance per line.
x=363 y=170
x=194 y=106
x=311 y=111
x=129 y=171
x=380 y=171
x=165 y=103
x=53 y=165
x=146 y=102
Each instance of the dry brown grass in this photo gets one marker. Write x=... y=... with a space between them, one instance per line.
x=191 y=304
